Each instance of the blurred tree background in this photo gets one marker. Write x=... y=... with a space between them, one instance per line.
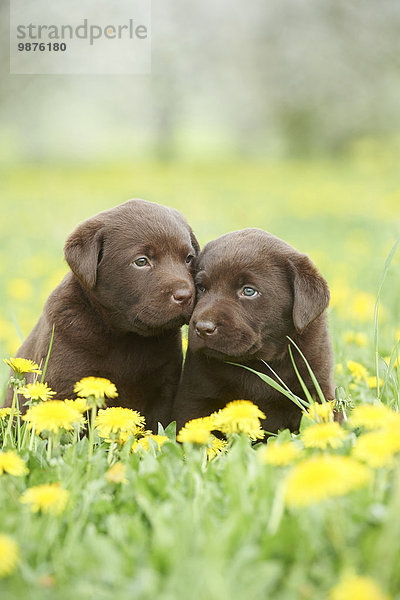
x=277 y=78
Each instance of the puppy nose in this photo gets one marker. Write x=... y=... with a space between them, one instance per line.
x=182 y=296
x=205 y=328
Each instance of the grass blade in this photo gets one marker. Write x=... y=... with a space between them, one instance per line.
x=376 y=310
x=299 y=377
x=48 y=355
x=296 y=399
x=276 y=375
x=389 y=371
x=314 y=379
x=17 y=327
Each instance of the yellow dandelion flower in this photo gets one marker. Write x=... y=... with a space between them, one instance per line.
x=377 y=448
x=361 y=339
x=116 y=420
x=196 y=431
x=52 y=416
x=373 y=416
x=5 y=412
x=48 y=497
x=387 y=361
x=216 y=447
x=352 y=337
x=371 y=382
x=348 y=337
x=320 y=412
x=356 y=587
x=240 y=416
x=11 y=463
x=9 y=336
x=78 y=404
x=357 y=370
x=19 y=289
x=116 y=474
x=9 y=555
x=209 y=421
x=37 y=391
x=124 y=436
x=255 y=434
x=322 y=477
x=279 y=453
x=21 y=366
x=95 y=386
x=362 y=306
x=143 y=442
x=340 y=293
x=322 y=435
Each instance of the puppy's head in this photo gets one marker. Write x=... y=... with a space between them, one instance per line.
x=135 y=261
x=253 y=290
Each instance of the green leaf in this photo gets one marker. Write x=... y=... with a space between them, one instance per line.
x=299 y=377
x=48 y=355
x=314 y=379
x=376 y=310
x=296 y=399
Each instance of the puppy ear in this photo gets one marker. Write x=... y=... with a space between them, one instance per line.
x=83 y=251
x=310 y=290
x=193 y=238
x=194 y=241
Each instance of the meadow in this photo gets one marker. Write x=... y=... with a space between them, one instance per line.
x=307 y=516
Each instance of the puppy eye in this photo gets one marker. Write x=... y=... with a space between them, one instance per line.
x=189 y=258
x=200 y=287
x=141 y=261
x=249 y=292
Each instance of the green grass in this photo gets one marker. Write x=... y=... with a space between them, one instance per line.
x=183 y=528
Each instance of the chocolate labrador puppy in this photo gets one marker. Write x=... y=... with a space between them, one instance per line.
x=253 y=290
x=118 y=313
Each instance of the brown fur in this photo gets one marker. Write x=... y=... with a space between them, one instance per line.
x=291 y=300
x=115 y=319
